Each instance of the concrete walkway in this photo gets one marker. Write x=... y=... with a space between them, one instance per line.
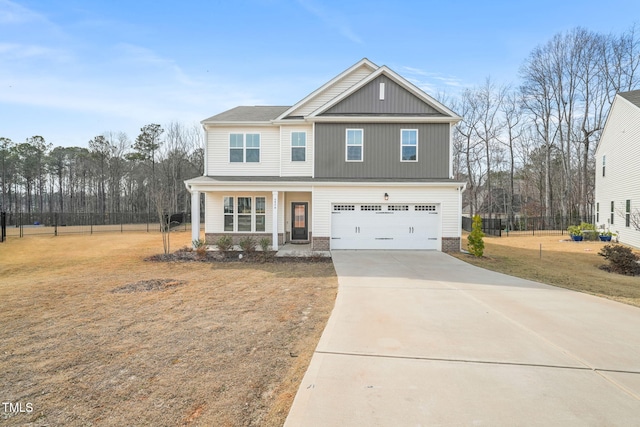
x=423 y=339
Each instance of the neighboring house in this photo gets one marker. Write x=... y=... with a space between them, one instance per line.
x=363 y=162
x=617 y=169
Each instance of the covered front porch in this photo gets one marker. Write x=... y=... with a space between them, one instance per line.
x=239 y=209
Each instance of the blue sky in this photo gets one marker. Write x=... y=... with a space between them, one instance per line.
x=73 y=69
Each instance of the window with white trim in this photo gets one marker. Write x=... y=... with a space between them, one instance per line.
x=604 y=164
x=613 y=205
x=598 y=212
x=244 y=148
x=627 y=214
x=354 y=145
x=409 y=145
x=298 y=146
x=244 y=214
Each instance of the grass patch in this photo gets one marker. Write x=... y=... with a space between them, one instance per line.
x=94 y=335
x=563 y=263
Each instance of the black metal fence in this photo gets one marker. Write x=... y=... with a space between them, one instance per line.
x=23 y=224
x=526 y=226
x=3 y=226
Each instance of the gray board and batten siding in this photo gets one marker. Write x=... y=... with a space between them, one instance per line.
x=381 y=151
x=397 y=101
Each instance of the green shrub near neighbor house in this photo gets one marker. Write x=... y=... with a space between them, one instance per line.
x=224 y=244
x=247 y=244
x=621 y=259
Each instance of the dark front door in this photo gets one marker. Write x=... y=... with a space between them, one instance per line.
x=299 y=228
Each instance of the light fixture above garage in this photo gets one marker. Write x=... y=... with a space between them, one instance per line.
x=386 y=196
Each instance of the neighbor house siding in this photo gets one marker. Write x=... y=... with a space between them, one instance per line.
x=218 y=152
x=620 y=143
x=329 y=93
x=397 y=100
x=288 y=167
x=381 y=151
x=447 y=197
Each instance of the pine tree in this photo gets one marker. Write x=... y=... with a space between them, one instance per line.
x=475 y=242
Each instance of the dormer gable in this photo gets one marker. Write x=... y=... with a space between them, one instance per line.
x=331 y=89
x=384 y=93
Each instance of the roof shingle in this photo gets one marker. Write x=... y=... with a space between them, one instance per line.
x=632 y=96
x=258 y=113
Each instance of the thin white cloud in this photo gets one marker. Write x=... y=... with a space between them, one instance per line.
x=332 y=19
x=13 y=13
x=431 y=82
x=32 y=51
x=146 y=57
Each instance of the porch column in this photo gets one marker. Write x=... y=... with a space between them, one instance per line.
x=274 y=222
x=195 y=216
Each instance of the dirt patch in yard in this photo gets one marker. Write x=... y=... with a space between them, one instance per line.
x=94 y=335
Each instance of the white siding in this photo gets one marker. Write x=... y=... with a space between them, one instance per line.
x=331 y=92
x=289 y=168
x=447 y=197
x=218 y=163
x=620 y=143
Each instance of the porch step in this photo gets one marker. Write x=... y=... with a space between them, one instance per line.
x=299 y=242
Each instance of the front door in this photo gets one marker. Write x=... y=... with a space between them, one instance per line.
x=299 y=228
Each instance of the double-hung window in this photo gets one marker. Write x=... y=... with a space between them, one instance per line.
x=244 y=214
x=409 y=145
x=354 y=145
x=298 y=146
x=627 y=214
x=613 y=205
x=244 y=148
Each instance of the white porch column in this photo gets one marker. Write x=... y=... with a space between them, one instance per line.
x=195 y=216
x=274 y=221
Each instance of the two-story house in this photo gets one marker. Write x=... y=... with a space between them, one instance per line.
x=363 y=162
x=617 y=173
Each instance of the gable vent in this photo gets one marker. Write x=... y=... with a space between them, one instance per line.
x=381 y=91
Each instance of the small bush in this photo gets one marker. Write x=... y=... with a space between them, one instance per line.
x=201 y=247
x=591 y=231
x=247 y=244
x=265 y=244
x=475 y=241
x=225 y=244
x=621 y=259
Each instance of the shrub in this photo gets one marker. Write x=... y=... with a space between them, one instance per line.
x=621 y=259
x=475 y=242
x=201 y=247
x=225 y=244
x=591 y=231
x=265 y=244
x=574 y=230
x=247 y=244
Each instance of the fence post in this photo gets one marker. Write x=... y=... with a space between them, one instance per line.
x=55 y=224
x=91 y=222
x=3 y=226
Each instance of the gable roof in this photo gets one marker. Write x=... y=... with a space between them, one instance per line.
x=257 y=113
x=410 y=87
x=336 y=83
x=632 y=96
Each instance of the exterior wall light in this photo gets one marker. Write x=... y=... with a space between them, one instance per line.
x=386 y=196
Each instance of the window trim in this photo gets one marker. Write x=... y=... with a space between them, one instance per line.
x=304 y=147
x=627 y=214
x=402 y=145
x=254 y=214
x=613 y=204
x=347 y=145
x=244 y=147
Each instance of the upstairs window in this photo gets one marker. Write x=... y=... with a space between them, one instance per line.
x=597 y=212
x=604 y=163
x=354 y=145
x=244 y=148
x=298 y=146
x=409 y=145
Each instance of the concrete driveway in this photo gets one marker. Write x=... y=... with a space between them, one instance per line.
x=420 y=338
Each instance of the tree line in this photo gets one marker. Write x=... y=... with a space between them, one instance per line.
x=524 y=150
x=528 y=149
x=112 y=175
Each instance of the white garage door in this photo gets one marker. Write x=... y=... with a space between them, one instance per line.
x=387 y=226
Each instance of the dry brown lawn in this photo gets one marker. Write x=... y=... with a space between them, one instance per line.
x=91 y=334
x=558 y=261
